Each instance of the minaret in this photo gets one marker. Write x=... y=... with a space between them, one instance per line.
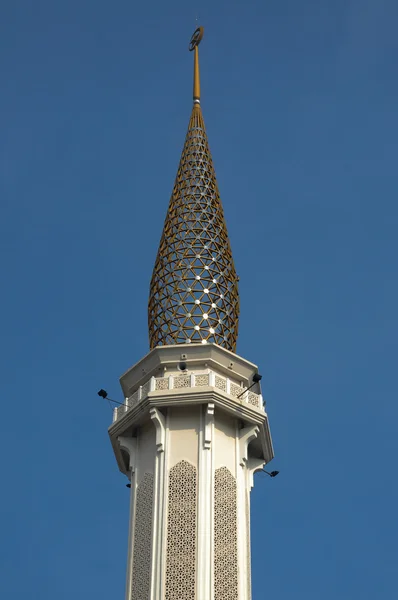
x=190 y=435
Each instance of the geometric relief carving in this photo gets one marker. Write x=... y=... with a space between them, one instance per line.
x=183 y=381
x=142 y=539
x=181 y=532
x=120 y=411
x=235 y=390
x=225 y=536
x=201 y=380
x=132 y=401
x=220 y=383
x=253 y=399
x=145 y=389
x=162 y=383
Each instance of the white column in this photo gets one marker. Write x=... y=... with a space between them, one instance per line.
x=130 y=445
x=204 y=578
x=158 y=512
x=165 y=507
x=244 y=437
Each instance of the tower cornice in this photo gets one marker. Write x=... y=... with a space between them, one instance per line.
x=166 y=358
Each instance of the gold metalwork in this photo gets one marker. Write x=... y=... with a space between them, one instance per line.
x=196 y=38
x=194 y=288
x=193 y=45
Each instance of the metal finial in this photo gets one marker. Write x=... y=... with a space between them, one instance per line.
x=196 y=38
x=194 y=288
x=193 y=45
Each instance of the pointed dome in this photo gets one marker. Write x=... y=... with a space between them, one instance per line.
x=194 y=288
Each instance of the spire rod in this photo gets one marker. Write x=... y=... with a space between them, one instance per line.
x=193 y=46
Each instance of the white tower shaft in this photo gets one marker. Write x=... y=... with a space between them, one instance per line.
x=190 y=447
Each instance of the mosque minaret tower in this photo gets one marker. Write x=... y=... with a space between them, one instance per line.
x=189 y=435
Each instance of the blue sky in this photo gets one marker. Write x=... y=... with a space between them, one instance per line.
x=300 y=102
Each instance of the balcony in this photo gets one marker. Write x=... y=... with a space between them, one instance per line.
x=200 y=379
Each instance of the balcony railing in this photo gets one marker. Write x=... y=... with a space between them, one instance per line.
x=195 y=380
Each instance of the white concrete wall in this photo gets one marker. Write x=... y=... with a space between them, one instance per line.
x=224 y=442
x=146 y=450
x=183 y=437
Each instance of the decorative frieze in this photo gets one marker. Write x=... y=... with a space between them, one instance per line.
x=253 y=399
x=162 y=383
x=145 y=389
x=235 y=390
x=220 y=383
x=201 y=380
x=184 y=381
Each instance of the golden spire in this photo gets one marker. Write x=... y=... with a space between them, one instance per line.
x=194 y=287
x=194 y=45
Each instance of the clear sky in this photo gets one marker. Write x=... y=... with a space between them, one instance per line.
x=300 y=102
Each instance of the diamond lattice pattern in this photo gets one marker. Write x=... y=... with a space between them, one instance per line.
x=194 y=288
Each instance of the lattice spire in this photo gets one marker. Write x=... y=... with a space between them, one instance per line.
x=194 y=288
